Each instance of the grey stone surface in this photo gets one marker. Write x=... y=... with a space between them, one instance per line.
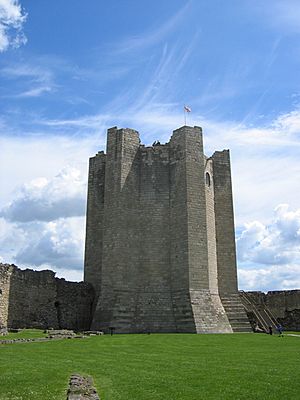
x=36 y=299
x=281 y=306
x=41 y=339
x=81 y=388
x=160 y=244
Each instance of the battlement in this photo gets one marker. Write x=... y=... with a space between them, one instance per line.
x=187 y=130
x=120 y=138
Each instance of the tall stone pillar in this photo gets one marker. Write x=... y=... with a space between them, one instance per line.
x=225 y=238
x=120 y=254
x=94 y=222
x=195 y=308
x=225 y=243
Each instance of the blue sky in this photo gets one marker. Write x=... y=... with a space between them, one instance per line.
x=71 y=69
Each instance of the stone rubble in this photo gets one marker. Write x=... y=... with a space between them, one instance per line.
x=42 y=339
x=81 y=388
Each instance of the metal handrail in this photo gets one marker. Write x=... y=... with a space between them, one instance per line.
x=260 y=314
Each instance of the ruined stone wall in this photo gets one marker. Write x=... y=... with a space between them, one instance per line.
x=283 y=304
x=36 y=299
x=31 y=299
x=74 y=304
x=5 y=274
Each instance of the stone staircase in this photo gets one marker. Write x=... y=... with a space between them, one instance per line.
x=236 y=313
x=263 y=317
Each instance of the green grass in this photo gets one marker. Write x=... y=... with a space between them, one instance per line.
x=25 y=334
x=165 y=367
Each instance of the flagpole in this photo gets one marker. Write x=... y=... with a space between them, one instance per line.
x=186 y=110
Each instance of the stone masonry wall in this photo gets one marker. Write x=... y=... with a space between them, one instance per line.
x=189 y=194
x=95 y=212
x=36 y=299
x=153 y=245
x=226 y=253
x=283 y=304
x=211 y=227
x=135 y=284
x=5 y=273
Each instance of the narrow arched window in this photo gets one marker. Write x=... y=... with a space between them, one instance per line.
x=207 y=179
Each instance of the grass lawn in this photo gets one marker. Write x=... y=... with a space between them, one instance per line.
x=164 y=367
x=25 y=334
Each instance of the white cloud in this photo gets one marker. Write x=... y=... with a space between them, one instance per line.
x=12 y=18
x=51 y=238
x=26 y=158
x=32 y=79
x=44 y=225
x=58 y=243
x=269 y=254
x=84 y=122
x=288 y=123
x=284 y=14
x=34 y=72
x=275 y=243
x=284 y=130
x=154 y=36
x=35 y=92
x=45 y=199
x=12 y=238
x=280 y=15
x=282 y=277
x=75 y=275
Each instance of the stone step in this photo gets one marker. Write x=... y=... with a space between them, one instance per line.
x=239 y=321
x=235 y=309
x=243 y=329
x=235 y=302
x=240 y=326
x=236 y=313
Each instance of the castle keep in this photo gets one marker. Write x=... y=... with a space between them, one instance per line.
x=160 y=248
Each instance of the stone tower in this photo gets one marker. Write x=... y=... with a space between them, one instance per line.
x=160 y=248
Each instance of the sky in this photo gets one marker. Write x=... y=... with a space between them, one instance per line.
x=71 y=69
